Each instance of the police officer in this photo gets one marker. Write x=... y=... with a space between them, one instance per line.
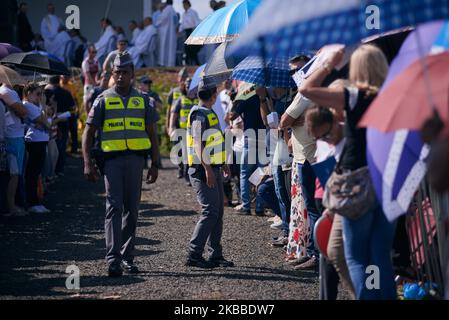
x=173 y=97
x=178 y=122
x=206 y=158
x=126 y=123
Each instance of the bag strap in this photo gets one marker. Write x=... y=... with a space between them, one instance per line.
x=338 y=165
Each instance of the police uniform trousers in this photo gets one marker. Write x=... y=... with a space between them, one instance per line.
x=210 y=225
x=123 y=184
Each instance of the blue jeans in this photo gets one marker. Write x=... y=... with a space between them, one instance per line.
x=368 y=241
x=266 y=192
x=307 y=180
x=282 y=197
x=246 y=170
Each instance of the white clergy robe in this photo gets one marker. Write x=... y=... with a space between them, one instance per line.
x=166 y=24
x=102 y=43
x=142 y=42
x=49 y=29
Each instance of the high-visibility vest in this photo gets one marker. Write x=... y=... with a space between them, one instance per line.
x=176 y=95
x=124 y=128
x=186 y=105
x=214 y=138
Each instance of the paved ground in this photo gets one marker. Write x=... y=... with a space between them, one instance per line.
x=36 y=250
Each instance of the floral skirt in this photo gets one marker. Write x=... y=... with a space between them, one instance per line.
x=298 y=238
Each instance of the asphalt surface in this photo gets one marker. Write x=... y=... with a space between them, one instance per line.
x=36 y=250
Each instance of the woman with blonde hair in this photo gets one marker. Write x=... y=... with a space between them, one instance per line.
x=368 y=236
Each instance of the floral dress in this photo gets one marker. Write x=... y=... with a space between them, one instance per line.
x=298 y=238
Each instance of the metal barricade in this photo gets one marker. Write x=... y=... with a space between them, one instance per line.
x=426 y=228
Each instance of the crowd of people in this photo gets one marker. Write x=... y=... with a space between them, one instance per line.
x=157 y=40
x=36 y=122
x=315 y=124
x=295 y=129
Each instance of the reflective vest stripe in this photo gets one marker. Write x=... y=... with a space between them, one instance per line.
x=213 y=120
x=135 y=124
x=113 y=145
x=215 y=139
x=112 y=125
x=113 y=103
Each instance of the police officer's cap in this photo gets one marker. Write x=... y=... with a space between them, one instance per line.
x=122 y=60
x=145 y=80
x=206 y=90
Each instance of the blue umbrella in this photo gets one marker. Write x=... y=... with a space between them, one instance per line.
x=225 y=24
x=397 y=160
x=272 y=73
x=292 y=26
x=196 y=79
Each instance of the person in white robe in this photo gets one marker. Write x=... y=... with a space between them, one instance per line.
x=143 y=41
x=135 y=31
x=60 y=42
x=167 y=29
x=102 y=44
x=49 y=28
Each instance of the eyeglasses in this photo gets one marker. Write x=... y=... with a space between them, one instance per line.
x=327 y=135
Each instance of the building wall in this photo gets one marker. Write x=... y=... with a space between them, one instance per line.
x=91 y=11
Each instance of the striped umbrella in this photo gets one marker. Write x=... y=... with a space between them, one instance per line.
x=225 y=24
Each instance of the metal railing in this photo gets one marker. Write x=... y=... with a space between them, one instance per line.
x=426 y=228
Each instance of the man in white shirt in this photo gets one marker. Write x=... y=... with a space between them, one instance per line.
x=190 y=20
x=15 y=143
x=49 y=28
x=166 y=25
x=103 y=45
x=135 y=31
x=60 y=42
x=143 y=42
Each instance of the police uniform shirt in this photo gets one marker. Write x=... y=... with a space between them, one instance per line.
x=96 y=114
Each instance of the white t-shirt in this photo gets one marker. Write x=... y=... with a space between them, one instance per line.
x=34 y=133
x=15 y=128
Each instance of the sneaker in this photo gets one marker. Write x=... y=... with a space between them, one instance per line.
x=38 y=209
x=280 y=242
x=199 y=263
x=276 y=225
x=312 y=263
x=297 y=262
x=44 y=209
x=130 y=267
x=115 y=271
x=221 y=262
x=272 y=219
x=242 y=211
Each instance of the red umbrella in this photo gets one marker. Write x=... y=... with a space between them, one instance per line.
x=406 y=102
x=6 y=49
